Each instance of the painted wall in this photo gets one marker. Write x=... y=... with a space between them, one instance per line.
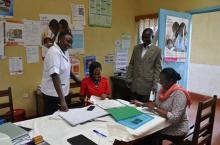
x=205 y=62
x=152 y=6
x=205 y=38
x=98 y=41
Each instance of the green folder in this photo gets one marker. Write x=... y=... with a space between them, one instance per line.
x=123 y=112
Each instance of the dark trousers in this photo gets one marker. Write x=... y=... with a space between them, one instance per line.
x=142 y=98
x=51 y=104
x=177 y=140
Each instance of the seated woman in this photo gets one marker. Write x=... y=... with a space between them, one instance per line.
x=171 y=103
x=95 y=84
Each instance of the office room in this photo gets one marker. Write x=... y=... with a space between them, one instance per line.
x=105 y=40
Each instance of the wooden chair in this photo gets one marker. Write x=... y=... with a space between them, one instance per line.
x=201 y=132
x=73 y=99
x=8 y=104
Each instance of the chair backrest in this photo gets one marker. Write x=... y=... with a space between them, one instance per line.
x=7 y=104
x=204 y=122
x=78 y=102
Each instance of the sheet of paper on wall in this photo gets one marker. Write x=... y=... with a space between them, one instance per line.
x=121 y=60
x=32 y=54
x=109 y=58
x=100 y=13
x=75 y=63
x=78 y=42
x=78 y=16
x=126 y=40
x=2 y=50
x=14 y=33
x=32 y=33
x=15 y=65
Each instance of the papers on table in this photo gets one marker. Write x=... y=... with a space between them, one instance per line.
x=122 y=113
x=81 y=115
x=94 y=99
x=12 y=130
x=107 y=104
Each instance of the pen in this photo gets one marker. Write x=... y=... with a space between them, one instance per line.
x=99 y=133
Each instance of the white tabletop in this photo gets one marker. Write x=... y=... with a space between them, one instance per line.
x=56 y=131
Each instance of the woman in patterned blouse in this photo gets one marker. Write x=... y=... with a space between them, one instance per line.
x=171 y=103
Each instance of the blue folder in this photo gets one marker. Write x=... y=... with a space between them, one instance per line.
x=136 y=121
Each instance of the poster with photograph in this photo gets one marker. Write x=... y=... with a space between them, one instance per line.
x=6 y=7
x=53 y=20
x=87 y=61
x=14 y=33
x=50 y=34
x=176 y=39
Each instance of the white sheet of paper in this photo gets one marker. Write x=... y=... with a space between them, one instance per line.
x=78 y=16
x=107 y=104
x=32 y=54
x=15 y=65
x=32 y=34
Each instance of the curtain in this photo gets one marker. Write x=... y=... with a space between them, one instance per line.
x=147 y=23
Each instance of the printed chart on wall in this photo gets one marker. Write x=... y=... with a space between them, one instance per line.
x=15 y=65
x=100 y=13
x=78 y=42
x=121 y=56
x=78 y=16
x=176 y=39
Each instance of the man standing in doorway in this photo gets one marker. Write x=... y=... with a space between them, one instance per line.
x=144 y=68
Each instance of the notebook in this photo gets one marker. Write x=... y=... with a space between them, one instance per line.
x=82 y=115
x=80 y=140
x=124 y=112
x=12 y=130
x=136 y=121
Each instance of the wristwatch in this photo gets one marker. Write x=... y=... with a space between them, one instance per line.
x=155 y=108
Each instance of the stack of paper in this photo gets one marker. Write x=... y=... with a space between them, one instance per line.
x=12 y=130
x=107 y=104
